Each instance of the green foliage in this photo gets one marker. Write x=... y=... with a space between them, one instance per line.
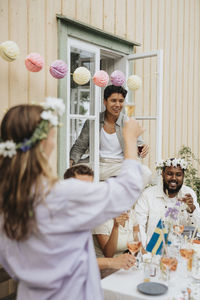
x=191 y=174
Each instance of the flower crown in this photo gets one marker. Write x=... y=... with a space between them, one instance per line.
x=175 y=162
x=53 y=109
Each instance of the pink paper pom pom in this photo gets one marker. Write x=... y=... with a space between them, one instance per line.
x=101 y=78
x=34 y=62
x=58 y=69
x=117 y=78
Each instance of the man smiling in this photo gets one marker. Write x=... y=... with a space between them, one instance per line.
x=110 y=135
x=156 y=200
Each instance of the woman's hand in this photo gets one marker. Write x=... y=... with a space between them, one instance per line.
x=131 y=131
x=121 y=220
x=145 y=151
x=123 y=261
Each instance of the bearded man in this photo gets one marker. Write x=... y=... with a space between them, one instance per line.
x=156 y=200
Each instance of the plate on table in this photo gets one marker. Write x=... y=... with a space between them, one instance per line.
x=152 y=288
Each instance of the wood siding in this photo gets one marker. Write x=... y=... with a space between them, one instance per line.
x=171 y=25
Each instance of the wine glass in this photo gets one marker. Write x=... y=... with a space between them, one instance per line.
x=140 y=147
x=129 y=109
x=187 y=254
x=134 y=243
x=168 y=264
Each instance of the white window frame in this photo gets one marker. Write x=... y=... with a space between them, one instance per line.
x=159 y=55
x=94 y=144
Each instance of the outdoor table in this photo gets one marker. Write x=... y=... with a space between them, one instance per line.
x=122 y=285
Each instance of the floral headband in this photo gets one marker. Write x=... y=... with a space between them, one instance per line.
x=53 y=109
x=175 y=162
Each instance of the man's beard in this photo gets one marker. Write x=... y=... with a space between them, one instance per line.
x=171 y=191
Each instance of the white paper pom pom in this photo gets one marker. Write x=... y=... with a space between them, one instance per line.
x=134 y=82
x=81 y=75
x=9 y=50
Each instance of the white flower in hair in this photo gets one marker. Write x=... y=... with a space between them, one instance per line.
x=183 y=164
x=55 y=104
x=8 y=149
x=168 y=163
x=49 y=116
x=175 y=162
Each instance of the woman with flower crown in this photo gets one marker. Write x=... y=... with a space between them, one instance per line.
x=45 y=223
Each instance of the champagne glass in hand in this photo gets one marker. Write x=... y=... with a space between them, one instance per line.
x=134 y=244
x=129 y=109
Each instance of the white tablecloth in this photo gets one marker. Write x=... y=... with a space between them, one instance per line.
x=122 y=285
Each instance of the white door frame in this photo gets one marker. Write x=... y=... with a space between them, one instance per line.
x=159 y=55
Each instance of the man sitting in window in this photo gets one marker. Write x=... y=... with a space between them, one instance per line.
x=111 y=138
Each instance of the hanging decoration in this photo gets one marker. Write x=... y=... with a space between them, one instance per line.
x=81 y=75
x=9 y=51
x=101 y=78
x=134 y=82
x=58 y=69
x=34 y=62
x=117 y=78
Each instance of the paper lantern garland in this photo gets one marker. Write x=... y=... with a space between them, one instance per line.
x=81 y=75
x=101 y=78
x=134 y=82
x=58 y=69
x=9 y=51
x=34 y=62
x=117 y=78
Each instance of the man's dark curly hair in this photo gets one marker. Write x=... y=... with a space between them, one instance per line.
x=111 y=89
x=78 y=169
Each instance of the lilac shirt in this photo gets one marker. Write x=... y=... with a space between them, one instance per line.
x=59 y=262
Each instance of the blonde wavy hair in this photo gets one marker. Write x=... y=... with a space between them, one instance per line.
x=22 y=176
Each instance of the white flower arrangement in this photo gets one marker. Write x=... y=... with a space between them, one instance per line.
x=8 y=149
x=49 y=116
x=175 y=162
x=53 y=108
x=55 y=104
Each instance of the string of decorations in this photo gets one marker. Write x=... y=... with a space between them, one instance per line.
x=34 y=62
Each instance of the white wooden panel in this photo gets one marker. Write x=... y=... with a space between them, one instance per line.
x=18 y=33
x=179 y=63
x=190 y=91
x=153 y=84
x=51 y=50
x=196 y=81
x=97 y=13
x=36 y=43
x=130 y=20
x=68 y=8
x=4 y=74
x=109 y=16
x=172 y=76
x=166 y=79
x=185 y=74
x=120 y=19
x=83 y=11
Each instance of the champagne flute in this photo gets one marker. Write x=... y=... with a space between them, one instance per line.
x=134 y=243
x=129 y=109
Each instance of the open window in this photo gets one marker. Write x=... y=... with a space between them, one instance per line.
x=82 y=45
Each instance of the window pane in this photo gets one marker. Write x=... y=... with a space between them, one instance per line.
x=81 y=95
x=76 y=126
